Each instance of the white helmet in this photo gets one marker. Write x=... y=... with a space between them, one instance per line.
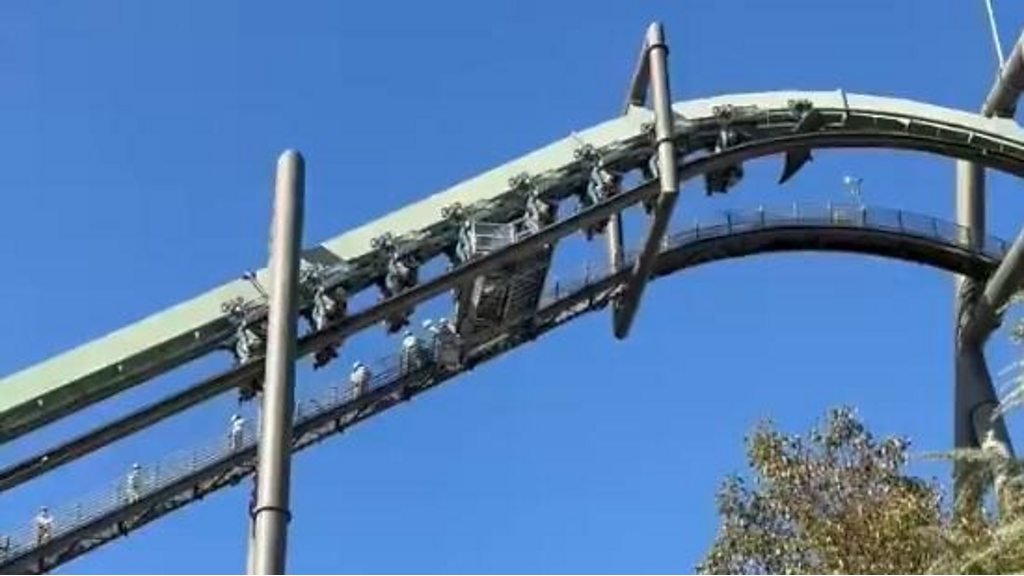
x=357 y=364
x=427 y=323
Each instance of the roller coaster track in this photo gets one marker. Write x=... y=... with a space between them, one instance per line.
x=189 y=477
x=757 y=124
x=770 y=123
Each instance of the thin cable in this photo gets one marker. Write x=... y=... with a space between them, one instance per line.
x=995 y=33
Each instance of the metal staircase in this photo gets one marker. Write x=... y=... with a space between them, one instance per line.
x=489 y=300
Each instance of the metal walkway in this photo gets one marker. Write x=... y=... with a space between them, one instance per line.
x=189 y=476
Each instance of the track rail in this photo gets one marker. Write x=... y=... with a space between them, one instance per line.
x=888 y=233
x=765 y=124
x=893 y=233
x=335 y=333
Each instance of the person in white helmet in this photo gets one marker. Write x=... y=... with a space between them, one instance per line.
x=236 y=432
x=412 y=357
x=447 y=345
x=359 y=379
x=430 y=332
x=133 y=485
x=43 y=525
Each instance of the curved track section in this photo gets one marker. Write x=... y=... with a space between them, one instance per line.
x=893 y=234
x=752 y=125
x=188 y=477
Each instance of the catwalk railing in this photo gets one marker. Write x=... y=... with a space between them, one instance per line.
x=187 y=476
x=836 y=215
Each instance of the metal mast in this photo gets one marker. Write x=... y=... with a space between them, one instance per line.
x=272 y=515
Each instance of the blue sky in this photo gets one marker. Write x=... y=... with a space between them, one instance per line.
x=138 y=141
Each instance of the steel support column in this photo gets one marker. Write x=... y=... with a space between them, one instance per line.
x=664 y=128
x=974 y=396
x=1001 y=102
x=1005 y=93
x=272 y=515
x=974 y=387
x=636 y=95
x=996 y=294
x=977 y=309
x=973 y=383
x=976 y=403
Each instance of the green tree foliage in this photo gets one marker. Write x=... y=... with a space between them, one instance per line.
x=838 y=500
x=834 y=501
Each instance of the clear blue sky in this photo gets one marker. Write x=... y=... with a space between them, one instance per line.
x=137 y=143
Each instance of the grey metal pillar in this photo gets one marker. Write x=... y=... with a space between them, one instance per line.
x=636 y=95
x=976 y=307
x=274 y=466
x=970 y=214
x=976 y=402
x=1001 y=102
x=974 y=394
x=1002 y=98
x=996 y=293
x=664 y=128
